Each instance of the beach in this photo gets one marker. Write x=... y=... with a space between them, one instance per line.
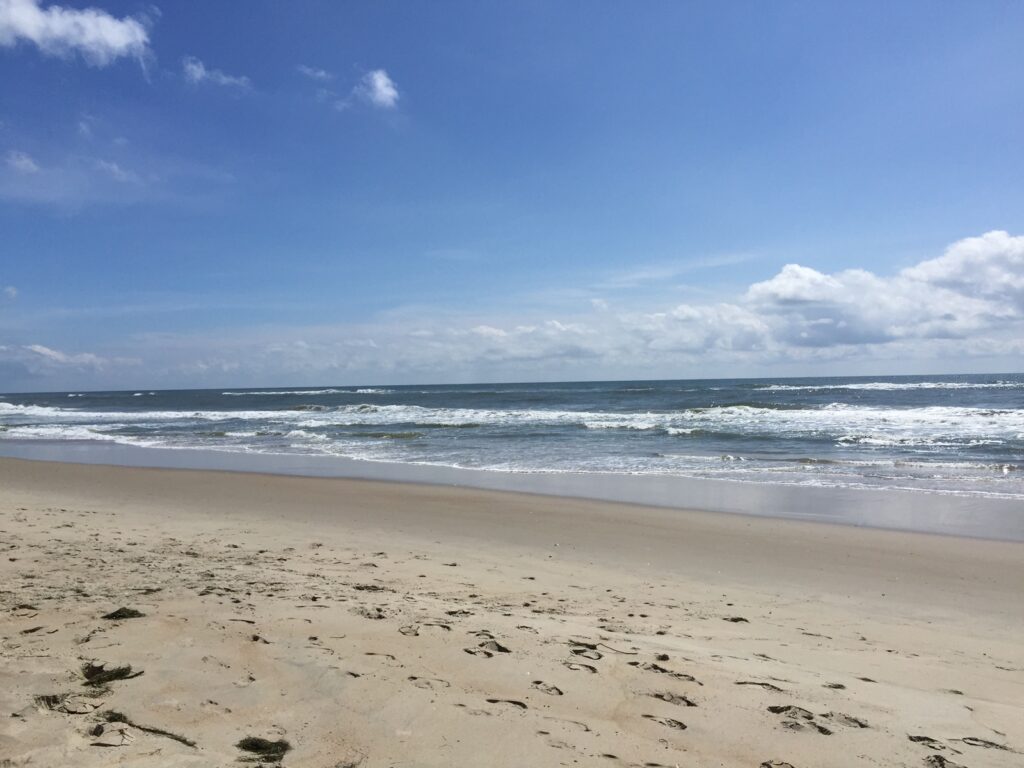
x=347 y=622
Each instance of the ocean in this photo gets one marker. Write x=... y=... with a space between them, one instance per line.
x=960 y=435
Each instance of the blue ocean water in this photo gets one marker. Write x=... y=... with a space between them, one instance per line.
x=952 y=434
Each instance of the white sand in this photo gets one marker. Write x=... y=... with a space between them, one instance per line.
x=381 y=624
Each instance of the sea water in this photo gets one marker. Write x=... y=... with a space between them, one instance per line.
x=961 y=435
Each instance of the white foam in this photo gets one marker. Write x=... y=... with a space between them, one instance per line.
x=844 y=423
x=362 y=391
x=290 y=392
x=892 y=386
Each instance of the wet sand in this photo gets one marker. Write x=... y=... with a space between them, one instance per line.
x=346 y=622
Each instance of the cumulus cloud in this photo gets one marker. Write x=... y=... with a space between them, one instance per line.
x=977 y=286
x=313 y=73
x=56 y=30
x=378 y=89
x=966 y=304
x=196 y=72
x=21 y=162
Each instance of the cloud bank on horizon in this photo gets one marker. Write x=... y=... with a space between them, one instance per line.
x=967 y=303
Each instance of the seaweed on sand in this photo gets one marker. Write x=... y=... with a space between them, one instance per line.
x=100 y=674
x=263 y=750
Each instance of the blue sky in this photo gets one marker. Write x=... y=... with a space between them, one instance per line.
x=207 y=194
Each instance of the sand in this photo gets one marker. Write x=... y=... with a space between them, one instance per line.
x=349 y=623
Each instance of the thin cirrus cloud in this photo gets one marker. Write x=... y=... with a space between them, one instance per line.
x=21 y=162
x=196 y=72
x=964 y=305
x=313 y=73
x=56 y=30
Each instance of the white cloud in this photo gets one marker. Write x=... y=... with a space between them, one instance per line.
x=62 y=358
x=10 y=292
x=116 y=172
x=21 y=162
x=320 y=75
x=61 y=31
x=379 y=89
x=961 y=310
x=196 y=72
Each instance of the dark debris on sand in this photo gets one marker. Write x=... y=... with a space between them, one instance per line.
x=263 y=750
x=123 y=613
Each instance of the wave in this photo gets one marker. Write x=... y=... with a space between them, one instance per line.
x=361 y=391
x=885 y=386
x=288 y=392
x=844 y=424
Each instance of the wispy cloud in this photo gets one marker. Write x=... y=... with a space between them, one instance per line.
x=667 y=271
x=21 y=162
x=57 y=30
x=196 y=72
x=63 y=358
x=116 y=172
x=75 y=181
x=964 y=305
x=319 y=75
x=9 y=292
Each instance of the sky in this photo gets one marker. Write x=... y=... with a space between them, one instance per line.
x=310 y=193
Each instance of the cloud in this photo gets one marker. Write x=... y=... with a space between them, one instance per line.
x=320 y=75
x=196 y=72
x=116 y=172
x=378 y=89
x=86 y=359
x=660 y=273
x=10 y=292
x=961 y=310
x=21 y=162
x=61 y=31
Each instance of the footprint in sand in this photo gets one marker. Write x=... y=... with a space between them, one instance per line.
x=938 y=761
x=668 y=722
x=580 y=667
x=847 y=720
x=513 y=702
x=931 y=743
x=474 y=712
x=974 y=741
x=543 y=687
x=674 y=698
x=374 y=613
x=429 y=683
x=494 y=646
x=766 y=686
x=798 y=719
x=650 y=667
x=587 y=652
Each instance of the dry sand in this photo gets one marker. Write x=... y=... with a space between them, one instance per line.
x=380 y=624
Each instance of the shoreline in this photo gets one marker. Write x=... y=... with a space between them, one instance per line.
x=378 y=623
x=888 y=509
